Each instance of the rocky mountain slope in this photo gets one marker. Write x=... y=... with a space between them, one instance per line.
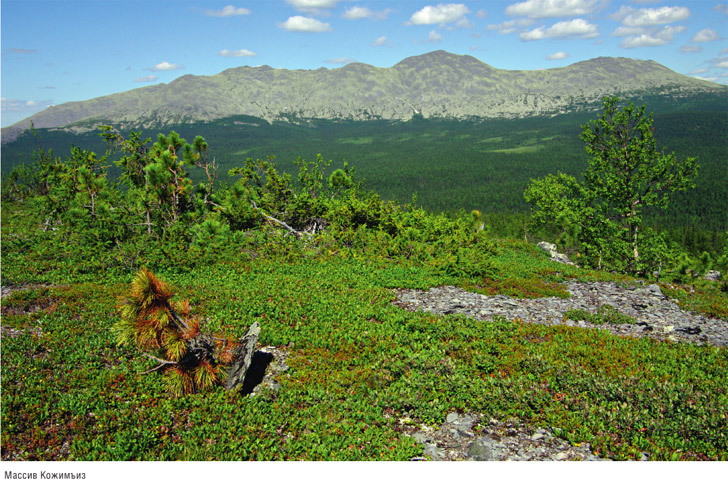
x=437 y=84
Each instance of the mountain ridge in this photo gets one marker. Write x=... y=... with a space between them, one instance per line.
x=436 y=84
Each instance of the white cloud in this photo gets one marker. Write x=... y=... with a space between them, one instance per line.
x=463 y=23
x=559 y=55
x=312 y=6
x=658 y=37
x=356 y=13
x=706 y=35
x=23 y=51
x=165 y=66
x=240 y=53
x=723 y=65
x=341 y=61
x=722 y=8
x=298 y=23
x=690 y=48
x=15 y=105
x=228 y=11
x=510 y=26
x=579 y=28
x=146 y=79
x=623 y=31
x=650 y=16
x=481 y=14
x=439 y=14
x=540 y=9
x=382 y=41
x=434 y=37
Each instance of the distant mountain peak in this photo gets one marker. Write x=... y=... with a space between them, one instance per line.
x=434 y=84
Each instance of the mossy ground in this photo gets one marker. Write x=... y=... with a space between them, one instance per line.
x=358 y=365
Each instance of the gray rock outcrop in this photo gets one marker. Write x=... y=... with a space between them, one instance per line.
x=655 y=315
x=550 y=248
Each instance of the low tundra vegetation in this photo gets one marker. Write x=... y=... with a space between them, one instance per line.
x=314 y=262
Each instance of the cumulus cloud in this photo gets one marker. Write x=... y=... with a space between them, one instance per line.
x=356 y=13
x=312 y=6
x=228 y=11
x=640 y=27
x=690 y=48
x=578 y=28
x=440 y=14
x=658 y=37
x=341 y=61
x=540 y=9
x=240 y=53
x=722 y=8
x=298 y=23
x=510 y=26
x=15 y=105
x=643 y=17
x=146 y=79
x=707 y=78
x=382 y=41
x=623 y=31
x=165 y=66
x=706 y=35
x=559 y=55
x=434 y=37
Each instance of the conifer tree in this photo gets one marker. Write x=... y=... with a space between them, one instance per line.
x=151 y=320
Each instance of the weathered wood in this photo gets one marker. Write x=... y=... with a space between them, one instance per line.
x=242 y=357
x=272 y=219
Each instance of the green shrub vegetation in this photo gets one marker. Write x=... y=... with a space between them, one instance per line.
x=605 y=314
x=313 y=260
x=626 y=173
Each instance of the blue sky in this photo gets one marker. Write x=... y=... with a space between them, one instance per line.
x=56 y=51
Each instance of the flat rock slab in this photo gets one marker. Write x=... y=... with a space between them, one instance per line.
x=479 y=438
x=656 y=316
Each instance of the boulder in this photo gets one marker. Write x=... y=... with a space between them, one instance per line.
x=550 y=248
x=712 y=275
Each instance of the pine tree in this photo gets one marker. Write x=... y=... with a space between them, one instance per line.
x=151 y=320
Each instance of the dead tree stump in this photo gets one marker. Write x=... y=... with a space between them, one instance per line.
x=242 y=357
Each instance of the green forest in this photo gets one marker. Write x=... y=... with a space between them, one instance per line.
x=452 y=165
x=123 y=252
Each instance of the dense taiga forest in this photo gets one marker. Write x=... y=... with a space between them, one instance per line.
x=134 y=265
x=455 y=165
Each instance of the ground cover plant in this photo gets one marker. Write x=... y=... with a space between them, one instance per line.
x=313 y=262
x=358 y=366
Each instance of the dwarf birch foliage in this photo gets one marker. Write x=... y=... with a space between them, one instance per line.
x=626 y=173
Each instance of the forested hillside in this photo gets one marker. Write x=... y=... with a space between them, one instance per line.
x=456 y=165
